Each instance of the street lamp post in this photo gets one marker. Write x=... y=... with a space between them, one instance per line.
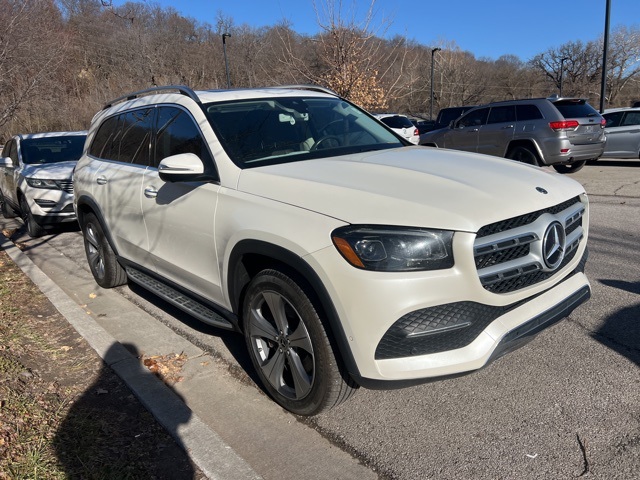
x=433 y=52
x=562 y=60
x=226 y=63
x=603 y=85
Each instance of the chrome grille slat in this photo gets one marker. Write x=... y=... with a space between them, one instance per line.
x=509 y=254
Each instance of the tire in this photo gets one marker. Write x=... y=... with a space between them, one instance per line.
x=291 y=351
x=34 y=229
x=523 y=154
x=6 y=209
x=106 y=270
x=572 y=167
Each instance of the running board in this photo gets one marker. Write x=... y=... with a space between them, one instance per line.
x=174 y=297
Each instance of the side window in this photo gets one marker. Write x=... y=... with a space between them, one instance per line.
x=125 y=137
x=135 y=138
x=631 y=118
x=613 y=119
x=101 y=145
x=528 y=112
x=178 y=133
x=11 y=151
x=502 y=114
x=475 y=117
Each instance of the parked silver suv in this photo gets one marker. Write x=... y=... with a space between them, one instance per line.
x=345 y=255
x=562 y=132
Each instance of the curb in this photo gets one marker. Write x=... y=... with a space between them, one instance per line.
x=204 y=446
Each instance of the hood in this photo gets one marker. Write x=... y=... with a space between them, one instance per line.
x=53 y=171
x=412 y=186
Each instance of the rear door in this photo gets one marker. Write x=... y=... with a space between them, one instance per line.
x=498 y=131
x=589 y=129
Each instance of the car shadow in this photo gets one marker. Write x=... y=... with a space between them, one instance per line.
x=614 y=162
x=108 y=434
x=621 y=330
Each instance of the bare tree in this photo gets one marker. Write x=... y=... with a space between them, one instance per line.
x=31 y=53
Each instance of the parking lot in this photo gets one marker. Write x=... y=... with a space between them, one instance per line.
x=566 y=405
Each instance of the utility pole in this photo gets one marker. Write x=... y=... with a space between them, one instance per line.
x=433 y=51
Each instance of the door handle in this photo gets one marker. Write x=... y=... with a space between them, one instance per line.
x=101 y=180
x=474 y=130
x=151 y=192
x=507 y=126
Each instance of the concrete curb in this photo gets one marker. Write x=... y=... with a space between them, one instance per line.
x=204 y=446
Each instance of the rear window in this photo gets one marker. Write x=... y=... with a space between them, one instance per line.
x=397 y=122
x=575 y=109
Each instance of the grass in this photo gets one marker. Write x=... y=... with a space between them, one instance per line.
x=63 y=414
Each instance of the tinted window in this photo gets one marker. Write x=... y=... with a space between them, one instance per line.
x=474 y=117
x=613 y=119
x=631 y=118
x=125 y=137
x=178 y=133
x=101 y=145
x=134 y=141
x=502 y=114
x=52 y=149
x=397 y=121
x=11 y=151
x=575 y=109
x=528 y=112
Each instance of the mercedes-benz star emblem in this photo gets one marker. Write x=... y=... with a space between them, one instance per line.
x=553 y=245
x=541 y=190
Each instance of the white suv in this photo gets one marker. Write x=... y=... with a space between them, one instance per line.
x=344 y=255
x=35 y=178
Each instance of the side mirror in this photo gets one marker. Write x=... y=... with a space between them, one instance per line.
x=184 y=167
x=6 y=162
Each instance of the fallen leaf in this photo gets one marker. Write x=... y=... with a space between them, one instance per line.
x=92 y=295
x=66 y=348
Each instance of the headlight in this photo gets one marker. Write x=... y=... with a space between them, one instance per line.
x=394 y=249
x=42 y=183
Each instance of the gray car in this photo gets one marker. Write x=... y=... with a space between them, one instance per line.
x=623 y=133
x=562 y=132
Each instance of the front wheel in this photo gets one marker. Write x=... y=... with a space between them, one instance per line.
x=290 y=348
x=34 y=229
x=572 y=167
x=103 y=263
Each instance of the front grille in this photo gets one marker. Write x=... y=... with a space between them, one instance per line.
x=66 y=185
x=509 y=255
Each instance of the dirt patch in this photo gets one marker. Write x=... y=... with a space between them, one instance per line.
x=63 y=413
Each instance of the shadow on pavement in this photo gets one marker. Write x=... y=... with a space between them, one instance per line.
x=109 y=434
x=621 y=330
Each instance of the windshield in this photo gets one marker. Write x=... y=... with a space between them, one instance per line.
x=52 y=149
x=575 y=109
x=279 y=130
x=397 y=121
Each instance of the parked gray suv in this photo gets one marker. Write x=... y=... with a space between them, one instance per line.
x=562 y=132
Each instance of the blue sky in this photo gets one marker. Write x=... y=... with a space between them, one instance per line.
x=486 y=28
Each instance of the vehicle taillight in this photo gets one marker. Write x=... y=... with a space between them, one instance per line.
x=603 y=123
x=416 y=132
x=564 y=125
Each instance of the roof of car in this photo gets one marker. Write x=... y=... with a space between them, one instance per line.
x=206 y=96
x=622 y=109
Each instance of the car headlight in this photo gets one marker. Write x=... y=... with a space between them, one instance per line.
x=394 y=249
x=42 y=183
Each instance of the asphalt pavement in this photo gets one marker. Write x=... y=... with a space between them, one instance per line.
x=564 y=406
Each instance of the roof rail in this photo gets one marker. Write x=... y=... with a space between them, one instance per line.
x=314 y=88
x=182 y=89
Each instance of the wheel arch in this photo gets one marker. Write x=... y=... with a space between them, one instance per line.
x=86 y=205
x=529 y=143
x=249 y=257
